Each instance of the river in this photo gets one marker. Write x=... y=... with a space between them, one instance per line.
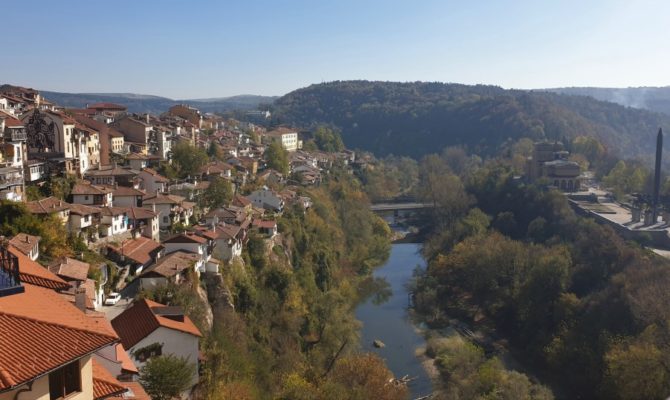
x=390 y=323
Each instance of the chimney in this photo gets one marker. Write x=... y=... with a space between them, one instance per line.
x=147 y=118
x=80 y=298
x=27 y=239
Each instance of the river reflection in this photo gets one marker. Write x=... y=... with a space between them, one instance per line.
x=384 y=317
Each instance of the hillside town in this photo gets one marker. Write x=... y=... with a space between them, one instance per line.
x=80 y=324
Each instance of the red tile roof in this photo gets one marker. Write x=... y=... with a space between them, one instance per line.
x=104 y=384
x=138 y=250
x=127 y=364
x=24 y=242
x=187 y=237
x=47 y=206
x=70 y=269
x=163 y=199
x=81 y=209
x=172 y=264
x=265 y=224
x=140 y=320
x=135 y=392
x=157 y=177
x=88 y=189
x=140 y=213
x=33 y=273
x=241 y=201
x=40 y=332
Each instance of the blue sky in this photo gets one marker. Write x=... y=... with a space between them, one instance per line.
x=199 y=49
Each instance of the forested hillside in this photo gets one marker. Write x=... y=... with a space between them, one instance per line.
x=582 y=309
x=418 y=118
x=155 y=104
x=648 y=98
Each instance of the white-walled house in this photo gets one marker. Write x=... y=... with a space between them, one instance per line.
x=189 y=242
x=173 y=267
x=114 y=220
x=228 y=242
x=171 y=209
x=82 y=217
x=91 y=195
x=124 y=196
x=152 y=181
x=148 y=329
x=27 y=244
x=267 y=199
x=145 y=221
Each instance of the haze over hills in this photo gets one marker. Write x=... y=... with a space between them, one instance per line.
x=649 y=98
x=155 y=104
x=418 y=118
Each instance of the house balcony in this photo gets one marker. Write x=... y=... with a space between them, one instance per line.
x=7 y=182
x=10 y=280
x=14 y=135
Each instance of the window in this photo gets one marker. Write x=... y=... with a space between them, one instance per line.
x=64 y=381
x=86 y=197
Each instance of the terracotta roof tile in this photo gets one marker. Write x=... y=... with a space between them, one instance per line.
x=138 y=321
x=127 y=364
x=88 y=189
x=69 y=268
x=40 y=331
x=33 y=273
x=172 y=264
x=81 y=209
x=104 y=384
x=24 y=242
x=136 y=213
x=135 y=392
x=164 y=199
x=187 y=237
x=47 y=206
x=138 y=250
x=157 y=177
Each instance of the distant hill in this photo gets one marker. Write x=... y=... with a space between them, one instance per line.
x=155 y=104
x=649 y=98
x=420 y=117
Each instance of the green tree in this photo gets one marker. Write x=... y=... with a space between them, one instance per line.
x=328 y=139
x=626 y=178
x=188 y=159
x=166 y=377
x=214 y=151
x=277 y=157
x=218 y=194
x=441 y=188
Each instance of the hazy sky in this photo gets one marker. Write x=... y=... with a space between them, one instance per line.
x=197 y=49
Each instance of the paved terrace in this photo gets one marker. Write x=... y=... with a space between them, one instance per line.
x=620 y=218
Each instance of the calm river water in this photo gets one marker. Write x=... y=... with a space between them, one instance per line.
x=389 y=321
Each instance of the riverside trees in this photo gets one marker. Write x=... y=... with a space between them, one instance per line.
x=578 y=302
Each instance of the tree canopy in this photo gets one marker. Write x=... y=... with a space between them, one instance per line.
x=218 y=194
x=188 y=159
x=277 y=157
x=166 y=377
x=419 y=118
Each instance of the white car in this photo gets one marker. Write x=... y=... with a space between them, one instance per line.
x=112 y=299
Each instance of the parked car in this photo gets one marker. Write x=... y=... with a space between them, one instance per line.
x=112 y=299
